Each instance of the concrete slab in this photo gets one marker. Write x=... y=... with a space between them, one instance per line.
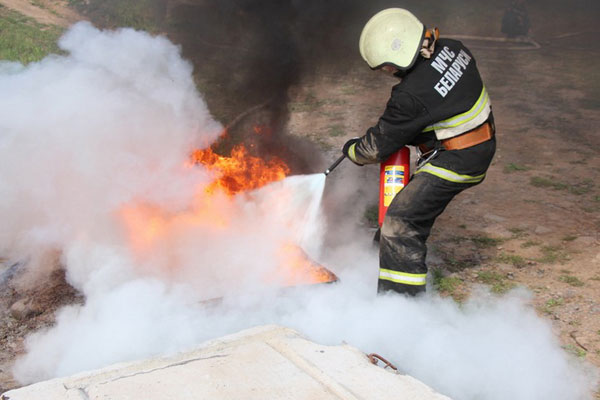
x=268 y=362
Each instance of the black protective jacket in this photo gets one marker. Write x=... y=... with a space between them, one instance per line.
x=427 y=95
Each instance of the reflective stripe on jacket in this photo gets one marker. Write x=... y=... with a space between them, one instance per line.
x=443 y=95
x=464 y=122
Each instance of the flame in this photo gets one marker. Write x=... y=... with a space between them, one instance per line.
x=150 y=229
x=241 y=171
x=297 y=269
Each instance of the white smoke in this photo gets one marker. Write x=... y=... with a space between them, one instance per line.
x=111 y=124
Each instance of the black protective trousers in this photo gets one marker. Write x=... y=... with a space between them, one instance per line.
x=406 y=227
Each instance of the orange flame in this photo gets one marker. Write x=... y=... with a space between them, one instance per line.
x=241 y=171
x=298 y=269
x=149 y=227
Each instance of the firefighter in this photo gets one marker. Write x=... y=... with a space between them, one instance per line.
x=442 y=107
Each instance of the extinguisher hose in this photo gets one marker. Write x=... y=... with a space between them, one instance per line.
x=335 y=164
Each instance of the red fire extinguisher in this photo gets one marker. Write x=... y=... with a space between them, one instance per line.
x=394 y=174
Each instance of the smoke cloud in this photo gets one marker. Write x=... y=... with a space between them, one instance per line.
x=102 y=134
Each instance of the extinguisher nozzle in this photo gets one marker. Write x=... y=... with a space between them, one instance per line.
x=335 y=164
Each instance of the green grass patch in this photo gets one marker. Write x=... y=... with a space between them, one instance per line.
x=39 y=4
x=455 y=264
x=551 y=183
x=336 y=102
x=590 y=210
x=538 y=181
x=512 y=259
x=551 y=304
x=565 y=271
x=575 y=350
x=457 y=239
x=349 y=90
x=24 y=40
x=336 y=130
x=482 y=241
x=446 y=285
x=310 y=103
x=499 y=284
x=518 y=233
x=571 y=280
x=323 y=144
x=144 y=15
x=371 y=215
x=552 y=255
x=530 y=243
x=512 y=167
x=582 y=187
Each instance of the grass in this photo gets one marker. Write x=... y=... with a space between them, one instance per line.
x=512 y=259
x=336 y=130
x=371 y=215
x=530 y=243
x=456 y=264
x=565 y=271
x=447 y=285
x=140 y=14
x=349 y=90
x=323 y=144
x=582 y=187
x=538 y=181
x=576 y=351
x=569 y=238
x=552 y=255
x=336 y=102
x=39 y=4
x=498 y=283
x=571 y=280
x=512 y=167
x=482 y=241
x=551 y=183
x=310 y=103
x=517 y=233
x=552 y=304
x=24 y=40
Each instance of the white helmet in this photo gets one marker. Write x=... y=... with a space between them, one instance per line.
x=392 y=37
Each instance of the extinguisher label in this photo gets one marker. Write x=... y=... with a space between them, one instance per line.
x=394 y=182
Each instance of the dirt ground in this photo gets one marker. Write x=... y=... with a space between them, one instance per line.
x=534 y=222
x=53 y=12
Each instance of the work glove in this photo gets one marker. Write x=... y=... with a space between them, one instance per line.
x=348 y=150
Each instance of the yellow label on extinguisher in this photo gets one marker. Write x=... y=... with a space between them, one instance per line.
x=393 y=182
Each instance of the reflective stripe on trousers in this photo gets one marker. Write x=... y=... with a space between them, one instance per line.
x=402 y=277
x=407 y=225
x=449 y=175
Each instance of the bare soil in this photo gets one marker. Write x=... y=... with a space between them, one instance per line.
x=534 y=222
x=49 y=12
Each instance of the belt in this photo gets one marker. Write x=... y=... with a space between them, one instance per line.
x=476 y=136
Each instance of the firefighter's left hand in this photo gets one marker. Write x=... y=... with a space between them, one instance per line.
x=348 y=150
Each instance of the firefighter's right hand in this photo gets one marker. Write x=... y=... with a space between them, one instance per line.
x=349 y=151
